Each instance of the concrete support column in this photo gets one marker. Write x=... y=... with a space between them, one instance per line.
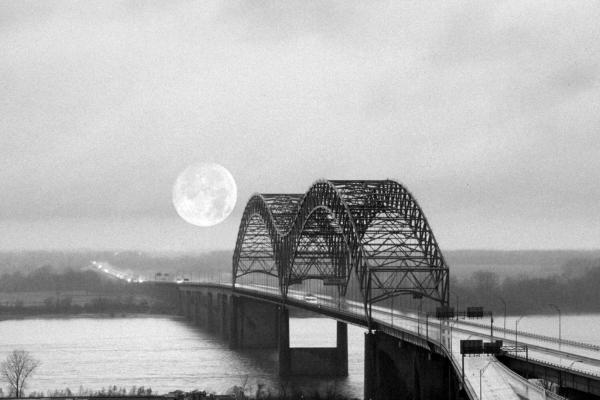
x=312 y=361
x=185 y=304
x=224 y=317
x=203 y=309
x=196 y=308
x=342 y=348
x=257 y=324
x=210 y=313
x=234 y=318
x=371 y=370
x=285 y=361
x=398 y=369
x=199 y=320
x=180 y=303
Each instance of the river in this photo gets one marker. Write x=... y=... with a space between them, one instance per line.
x=170 y=353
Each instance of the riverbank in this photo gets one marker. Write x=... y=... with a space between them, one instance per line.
x=18 y=317
x=168 y=354
x=80 y=302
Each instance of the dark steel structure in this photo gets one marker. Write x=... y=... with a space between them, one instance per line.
x=371 y=231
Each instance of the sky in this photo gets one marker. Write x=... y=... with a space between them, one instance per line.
x=486 y=111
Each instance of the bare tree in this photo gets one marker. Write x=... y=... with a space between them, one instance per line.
x=17 y=367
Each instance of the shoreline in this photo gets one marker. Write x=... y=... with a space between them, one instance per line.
x=87 y=315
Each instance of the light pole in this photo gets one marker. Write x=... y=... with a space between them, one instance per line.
x=419 y=321
x=516 y=332
x=455 y=295
x=420 y=311
x=427 y=325
x=481 y=371
x=559 y=324
x=503 y=302
x=392 y=311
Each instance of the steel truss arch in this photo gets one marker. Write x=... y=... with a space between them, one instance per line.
x=373 y=230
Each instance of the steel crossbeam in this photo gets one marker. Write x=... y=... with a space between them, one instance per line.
x=368 y=230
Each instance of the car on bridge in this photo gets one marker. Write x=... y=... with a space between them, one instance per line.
x=310 y=298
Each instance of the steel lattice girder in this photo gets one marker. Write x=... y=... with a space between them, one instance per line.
x=374 y=230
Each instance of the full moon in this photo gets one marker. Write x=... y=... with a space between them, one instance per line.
x=204 y=194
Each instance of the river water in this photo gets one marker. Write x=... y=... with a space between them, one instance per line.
x=169 y=353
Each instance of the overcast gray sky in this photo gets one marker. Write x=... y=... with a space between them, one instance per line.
x=487 y=111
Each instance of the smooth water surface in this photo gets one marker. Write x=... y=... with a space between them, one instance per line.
x=163 y=353
x=170 y=353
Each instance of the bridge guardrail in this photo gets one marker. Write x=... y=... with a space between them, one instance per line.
x=545 y=392
x=440 y=347
x=354 y=310
x=557 y=366
x=465 y=382
x=537 y=336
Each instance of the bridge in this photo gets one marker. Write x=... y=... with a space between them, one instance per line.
x=362 y=253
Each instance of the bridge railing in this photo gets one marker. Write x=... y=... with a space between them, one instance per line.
x=558 y=366
x=526 y=387
x=222 y=278
x=538 y=336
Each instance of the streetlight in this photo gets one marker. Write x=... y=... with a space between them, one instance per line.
x=481 y=371
x=516 y=332
x=559 y=324
x=455 y=295
x=503 y=302
x=419 y=311
x=392 y=311
x=463 y=360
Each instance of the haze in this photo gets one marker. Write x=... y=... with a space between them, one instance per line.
x=486 y=111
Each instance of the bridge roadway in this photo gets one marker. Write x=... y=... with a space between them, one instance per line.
x=484 y=376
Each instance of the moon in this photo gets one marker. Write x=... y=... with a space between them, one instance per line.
x=204 y=194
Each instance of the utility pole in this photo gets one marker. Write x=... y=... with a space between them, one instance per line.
x=559 y=324
x=559 y=330
x=503 y=302
x=516 y=332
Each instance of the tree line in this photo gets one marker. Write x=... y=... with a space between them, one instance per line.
x=103 y=294
x=574 y=289
x=135 y=261
x=47 y=278
x=65 y=305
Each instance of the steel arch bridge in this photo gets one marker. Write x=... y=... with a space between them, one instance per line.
x=373 y=232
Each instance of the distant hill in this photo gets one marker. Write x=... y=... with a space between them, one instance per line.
x=528 y=280
x=462 y=263
x=135 y=261
x=541 y=263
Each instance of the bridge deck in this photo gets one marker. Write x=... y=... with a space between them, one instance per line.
x=497 y=381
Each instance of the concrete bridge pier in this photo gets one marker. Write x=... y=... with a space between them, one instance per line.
x=312 y=361
x=253 y=324
x=181 y=304
x=234 y=306
x=184 y=305
x=223 y=316
x=210 y=313
x=198 y=308
x=193 y=307
x=395 y=369
x=204 y=310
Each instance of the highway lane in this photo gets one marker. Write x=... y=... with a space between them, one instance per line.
x=485 y=377
x=483 y=374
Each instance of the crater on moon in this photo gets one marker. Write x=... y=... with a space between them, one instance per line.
x=204 y=194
